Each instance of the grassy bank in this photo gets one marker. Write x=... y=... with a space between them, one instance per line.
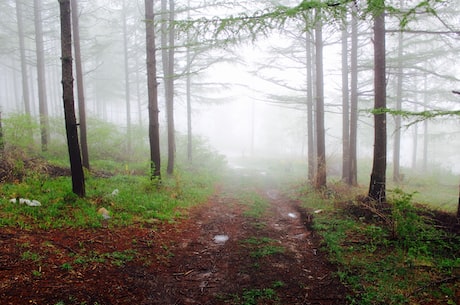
x=402 y=255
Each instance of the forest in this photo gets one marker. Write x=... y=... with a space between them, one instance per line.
x=204 y=152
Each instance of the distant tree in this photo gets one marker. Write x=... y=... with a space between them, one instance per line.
x=345 y=105
x=76 y=167
x=188 y=94
x=42 y=101
x=310 y=106
x=22 y=56
x=80 y=84
x=321 y=179
x=167 y=47
x=397 y=133
x=126 y=74
x=377 y=186
x=152 y=84
x=352 y=175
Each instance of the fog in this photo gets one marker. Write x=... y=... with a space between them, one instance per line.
x=248 y=98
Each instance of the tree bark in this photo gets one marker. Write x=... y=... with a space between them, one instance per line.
x=397 y=136
x=22 y=54
x=154 y=130
x=167 y=47
x=188 y=86
x=78 y=178
x=310 y=123
x=377 y=186
x=80 y=84
x=353 y=174
x=42 y=102
x=345 y=107
x=320 y=181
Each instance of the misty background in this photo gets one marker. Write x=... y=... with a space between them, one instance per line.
x=248 y=97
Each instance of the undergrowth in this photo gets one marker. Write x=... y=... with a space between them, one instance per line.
x=128 y=199
x=396 y=255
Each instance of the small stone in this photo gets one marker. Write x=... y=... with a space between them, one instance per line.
x=104 y=213
x=220 y=239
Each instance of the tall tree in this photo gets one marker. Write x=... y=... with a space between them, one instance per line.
x=345 y=106
x=167 y=47
x=188 y=94
x=22 y=54
x=377 y=186
x=310 y=116
x=80 y=84
x=152 y=85
x=320 y=181
x=397 y=135
x=352 y=177
x=126 y=72
x=76 y=167
x=42 y=102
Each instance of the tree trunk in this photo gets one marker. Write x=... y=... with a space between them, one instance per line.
x=43 y=107
x=78 y=178
x=320 y=182
x=345 y=107
x=152 y=85
x=353 y=174
x=425 y=124
x=22 y=55
x=80 y=84
x=397 y=136
x=377 y=186
x=167 y=47
x=310 y=126
x=189 y=108
x=127 y=89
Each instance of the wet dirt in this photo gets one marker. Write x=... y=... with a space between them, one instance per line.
x=216 y=255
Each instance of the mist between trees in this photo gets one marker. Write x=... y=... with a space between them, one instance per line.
x=286 y=79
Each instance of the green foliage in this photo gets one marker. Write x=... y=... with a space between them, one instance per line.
x=388 y=257
x=418 y=116
x=20 y=131
x=32 y=256
x=236 y=27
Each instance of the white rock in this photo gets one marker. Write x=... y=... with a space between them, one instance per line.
x=220 y=239
x=31 y=203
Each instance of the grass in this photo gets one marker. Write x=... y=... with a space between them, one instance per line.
x=262 y=246
x=254 y=296
x=397 y=259
x=137 y=201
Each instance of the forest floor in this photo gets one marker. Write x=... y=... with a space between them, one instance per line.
x=220 y=253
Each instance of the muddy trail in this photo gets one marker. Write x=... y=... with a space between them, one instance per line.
x=247 y=245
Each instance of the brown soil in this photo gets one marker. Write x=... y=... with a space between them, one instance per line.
x=174 y=263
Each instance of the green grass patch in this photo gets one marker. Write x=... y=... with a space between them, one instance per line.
x=262 y=246
x=129 y=199
x=397 y=256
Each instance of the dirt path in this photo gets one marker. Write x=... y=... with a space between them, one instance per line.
x=220 y=254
